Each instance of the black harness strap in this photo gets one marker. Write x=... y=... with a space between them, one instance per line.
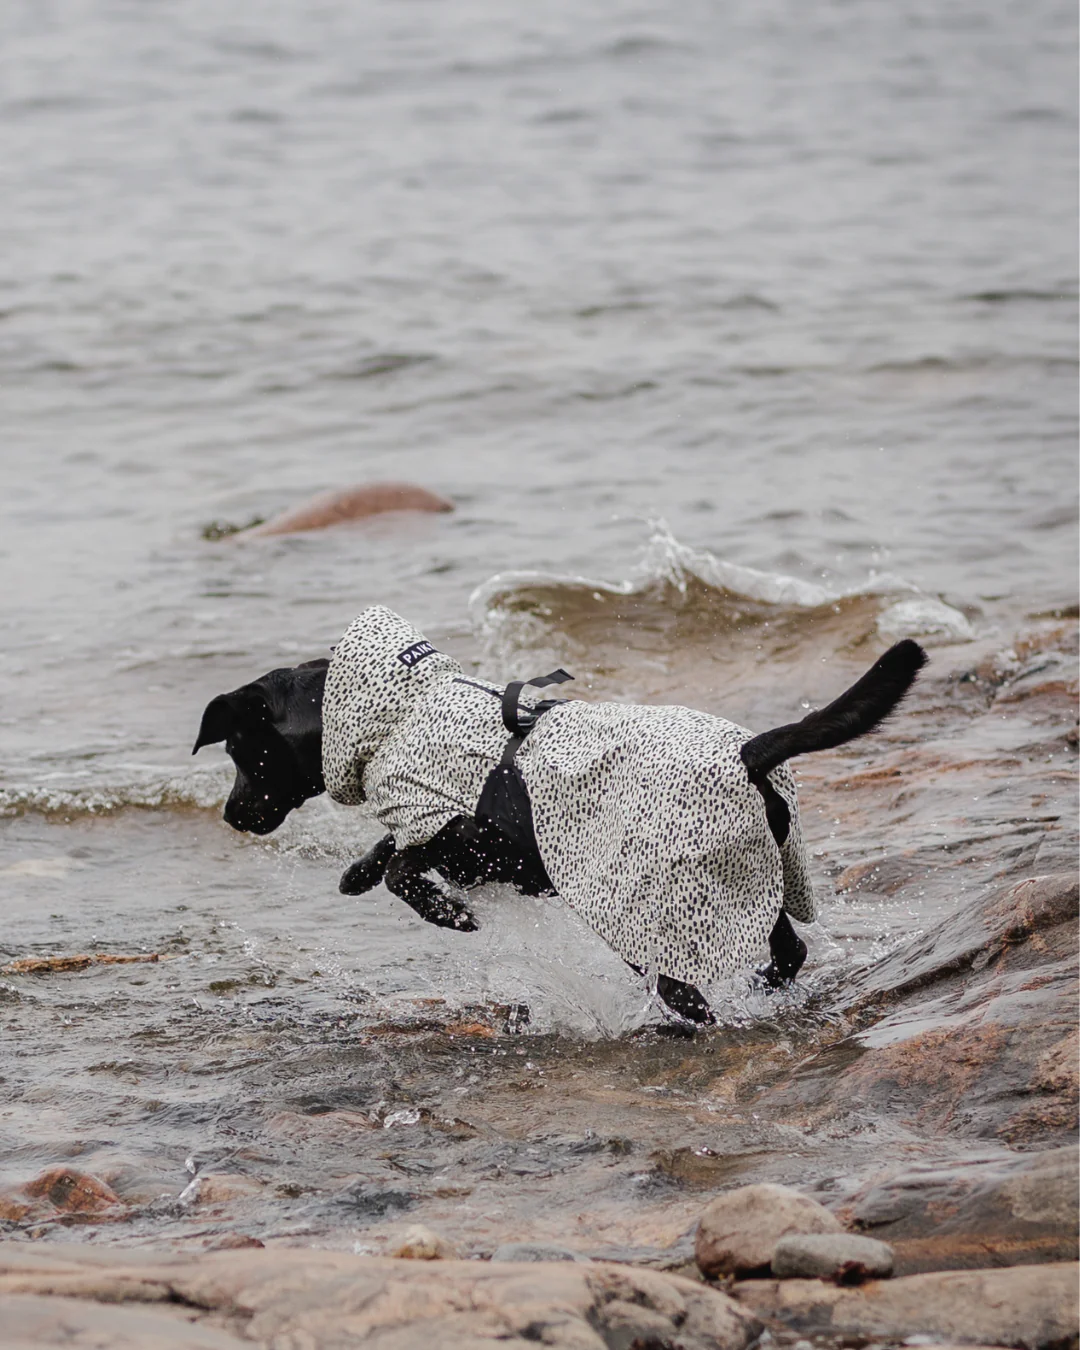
x=520 y=721
x=504 y=802
x=517 y=720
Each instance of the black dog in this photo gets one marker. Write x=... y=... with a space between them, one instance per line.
x=272 y=729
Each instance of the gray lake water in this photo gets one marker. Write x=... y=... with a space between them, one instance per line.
x=748 y=331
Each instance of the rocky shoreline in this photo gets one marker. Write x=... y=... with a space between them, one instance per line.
x=322 y=1300
x=927 y=1101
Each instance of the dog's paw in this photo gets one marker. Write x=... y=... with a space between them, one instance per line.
x=448 y=913
x=769 y=978
x=366 y=873
x=359 y=878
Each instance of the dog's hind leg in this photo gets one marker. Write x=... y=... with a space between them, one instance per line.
x=369 y=870
x=787 y=949
x=405 y=878
x=684 y=999
x=788 y=954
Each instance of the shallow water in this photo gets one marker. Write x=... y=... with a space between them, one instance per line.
x=748 y=335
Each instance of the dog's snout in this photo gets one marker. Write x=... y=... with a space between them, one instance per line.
x=251 y=814
x=234 y=816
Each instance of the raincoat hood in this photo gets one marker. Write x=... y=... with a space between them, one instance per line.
x=382 y=672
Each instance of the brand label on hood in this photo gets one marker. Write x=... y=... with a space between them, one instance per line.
x=412 y=656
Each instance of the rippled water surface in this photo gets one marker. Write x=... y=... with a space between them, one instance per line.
x=736 y=328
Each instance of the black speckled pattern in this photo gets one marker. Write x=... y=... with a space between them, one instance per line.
x=645 y=818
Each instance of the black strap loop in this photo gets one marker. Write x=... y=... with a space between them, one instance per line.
x=519 y=721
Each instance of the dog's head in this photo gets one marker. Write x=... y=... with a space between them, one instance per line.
x=272 y=729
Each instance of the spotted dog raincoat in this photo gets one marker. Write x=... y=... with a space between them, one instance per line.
x=644 y=817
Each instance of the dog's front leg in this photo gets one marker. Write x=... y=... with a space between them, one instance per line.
x=369 y=870
x=405 y=878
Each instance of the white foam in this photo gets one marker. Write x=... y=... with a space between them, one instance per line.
x=923 y=616
x=144 y=785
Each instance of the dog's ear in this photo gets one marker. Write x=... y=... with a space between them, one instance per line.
x=320 y=663
x=243 y=707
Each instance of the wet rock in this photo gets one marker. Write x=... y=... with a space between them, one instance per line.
x=973 y=937
x=1030 y=1306
x=30 y=1323
x=14 y=1206
x=882 y=876
x=535 y=1251
x=844 y=1257
x=72 y=1192
x=420 y=1243
x=971 y=1026
x=740 y=1229
x=326 y=1300
x=51 y=965
x=1000 y=1209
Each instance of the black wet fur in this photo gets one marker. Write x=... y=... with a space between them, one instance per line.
x=272 y=729
x=858 y=710
x=788 y=952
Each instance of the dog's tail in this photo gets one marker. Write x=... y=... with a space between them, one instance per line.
x=858 y=710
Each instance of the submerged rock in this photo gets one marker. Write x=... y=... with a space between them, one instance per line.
x=844 y=1257
x=740 y=1229
x=1030 y=1306
x=355 y=503
x=72 y=1192
x=217 y=1188
x=535 y=1251
x=60 y=1194
x=14 y=1206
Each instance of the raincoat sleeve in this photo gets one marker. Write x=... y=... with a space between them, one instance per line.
x=345 y=783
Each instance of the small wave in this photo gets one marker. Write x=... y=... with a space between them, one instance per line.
x=679 y=597
x=635 y=45
x=259 y=49
x=142 y=786
x=668 y=564
x=382 y=363
x=749 y=300
x=1008 y=296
